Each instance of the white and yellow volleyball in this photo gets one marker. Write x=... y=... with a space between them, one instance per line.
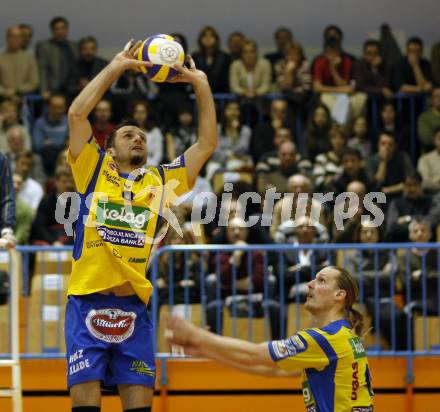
x=163 y=51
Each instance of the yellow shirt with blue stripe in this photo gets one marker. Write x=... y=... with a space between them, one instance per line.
x=117 y=221
x=336 y=376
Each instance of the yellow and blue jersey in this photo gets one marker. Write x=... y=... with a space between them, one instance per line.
x=118 y=218
x=335 y=376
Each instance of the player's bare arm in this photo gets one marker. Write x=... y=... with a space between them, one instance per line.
x=197 y=155
x=79 y=126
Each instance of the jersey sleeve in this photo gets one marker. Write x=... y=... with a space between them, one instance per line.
x=84 y=165
x=175 y=179
x=299 y=351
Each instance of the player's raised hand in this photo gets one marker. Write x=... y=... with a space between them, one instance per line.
x=189 y=75
x=179 y=331
x=127 y=58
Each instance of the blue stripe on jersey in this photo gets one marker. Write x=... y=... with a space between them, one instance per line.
x=83 y=210
x=159 y=219
x=335 y=327
x=322 y=383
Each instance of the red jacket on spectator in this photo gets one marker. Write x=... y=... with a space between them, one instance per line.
x=321 y=70
x=101 y=136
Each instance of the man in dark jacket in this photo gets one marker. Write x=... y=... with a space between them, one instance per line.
x=7 y=205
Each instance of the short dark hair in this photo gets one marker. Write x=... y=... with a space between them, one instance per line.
x=283 y=29
x=351 y=151
x=87 y=39
x=109 y=142
x=388 y=134
x=332 y=43
x=415 y=40
x=335 y=28
x=371 y=42
x=25 y=26
x=415 y=175
x=55 y=95
x=58 y=19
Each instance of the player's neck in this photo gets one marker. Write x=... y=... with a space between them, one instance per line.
x=323 y=319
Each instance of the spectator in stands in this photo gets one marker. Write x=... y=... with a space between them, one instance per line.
x=247 y=276
x=351 y=226
x=413 y=75
x=402 y=210
x=235 y=44
x=390 y=122
x=46 y=229
x=316 y=135
x=23 y=212
x=328 y=165
x=18 y=69
x=185 y=271
x=87 y=66
x=282 y=37
x=276 y=172
x=423 y=268
x=352 y=170
x=429 y=166
x=56 y=56
x=429 y=121
x=31 y=191
x=7 y=205
x=212 y=60
x=297 y=198
x=264 y=133
x=16 y=143
x=292 y=74
x=335 y=32
x=8 y=119
x=250 y=77
x=183 y=135
x=332 y=76
x=27 y=32
x=389 y=166
x=282 y=134
x=360 y=139
x=143 y=115
x=371 y=73
x=435 y=63
x=234 y=139
x=102 y=124
x=50 y=132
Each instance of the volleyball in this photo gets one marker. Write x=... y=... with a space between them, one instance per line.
x=163 y=51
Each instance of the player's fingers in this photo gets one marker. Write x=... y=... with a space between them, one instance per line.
x=191 y=63
x=128 y=46
x=135 y=48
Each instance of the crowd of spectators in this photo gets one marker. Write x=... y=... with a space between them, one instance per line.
x=261 y=146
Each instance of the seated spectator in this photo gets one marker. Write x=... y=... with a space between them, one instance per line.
x=212 y=60
x=185 y=287
x=234 y=139
x=316 y=136
x=292 y=74
x=50 y=132
x=183 y=135
x=143 y=116
x=263 y=136
x=102 y=125
x=402 y=210
x=332 y=75
x=16 y=139
x=23 y=213
x=429 y=166
x=18 y=69
x=235 y=44
x=360 y=139
x=435 y=63
x=413 y=75
x=56 y=56
x=283 y=134
x=328 y=165
x=247 y=276
x=31 y=191
x=46 y=229
x=371 y=73
x=347 y=234
x=9 y=118
x=423 y=267
x=297 y=198
x=275 y=172
x=390 y=122
x=250 y=77
x=87 y=66
x=429 y=121
x=388 y=167
x=352 y=170
x=335 y=32
x=27 y=32
x=282 y=37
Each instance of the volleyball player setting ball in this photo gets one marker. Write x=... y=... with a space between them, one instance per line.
x=109 y=334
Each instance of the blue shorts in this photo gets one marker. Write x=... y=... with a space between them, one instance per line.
x=109 y=339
